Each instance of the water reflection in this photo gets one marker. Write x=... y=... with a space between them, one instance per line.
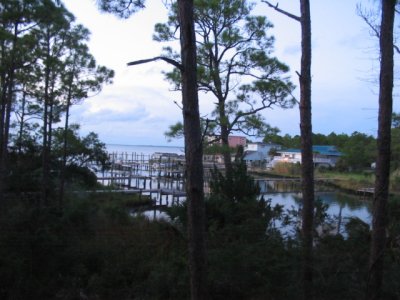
x=150 y=214
x=339 y=204
x=341 y=207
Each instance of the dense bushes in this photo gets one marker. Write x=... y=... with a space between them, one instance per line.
x=95 y=249
x=88 y=250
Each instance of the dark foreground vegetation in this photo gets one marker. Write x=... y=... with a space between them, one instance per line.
x=58 y=243
x=94 y=249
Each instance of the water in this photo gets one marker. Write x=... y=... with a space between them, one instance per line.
x=340 y=205
x=143 y=149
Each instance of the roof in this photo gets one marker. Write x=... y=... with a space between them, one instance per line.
x=326 y=150
x=264 y=144
x=321 y=149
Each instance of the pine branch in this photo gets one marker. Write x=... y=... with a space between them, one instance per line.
x=166 y=59
x=294 y=17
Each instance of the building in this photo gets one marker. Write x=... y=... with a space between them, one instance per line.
x=233 y=140
x=257 y=154
x=322 y=156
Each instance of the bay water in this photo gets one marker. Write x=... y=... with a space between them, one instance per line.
x=340 y=205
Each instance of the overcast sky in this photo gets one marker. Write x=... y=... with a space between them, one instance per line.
x=138 y=108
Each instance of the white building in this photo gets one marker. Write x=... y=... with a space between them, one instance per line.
x=259 y=153
x=322 y=156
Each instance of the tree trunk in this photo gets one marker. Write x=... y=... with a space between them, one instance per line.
x=22 y=124
x=225 y=150
x=45 y=150
x=5 y=128
x=379 y=220
x=307 y=164
x=4 y=86
x=6 y=102
x=193 y=153
x=65 y=144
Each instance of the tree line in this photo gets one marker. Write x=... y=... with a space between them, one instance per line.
x=358 y=149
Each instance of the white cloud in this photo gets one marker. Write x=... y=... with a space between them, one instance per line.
x=139 y=106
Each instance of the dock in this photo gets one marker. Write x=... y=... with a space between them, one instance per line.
x=369 y=191
x=162 y=176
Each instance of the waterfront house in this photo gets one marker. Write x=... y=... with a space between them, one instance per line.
x=234 y=142
x=323 y=155
x=257 y=154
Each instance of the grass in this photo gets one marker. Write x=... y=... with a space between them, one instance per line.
x=351 y=181
x=348 y=181
x=120 y=199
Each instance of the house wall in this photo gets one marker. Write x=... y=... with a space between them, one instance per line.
x=235 y=141
x=295 y=157
x=262 y=148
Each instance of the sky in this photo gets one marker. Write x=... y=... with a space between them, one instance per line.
x=139 y=106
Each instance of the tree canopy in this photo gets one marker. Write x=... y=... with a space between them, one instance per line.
x=235 y=65
x=46 y=67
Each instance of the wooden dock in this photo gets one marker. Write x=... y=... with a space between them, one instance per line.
x=164 y=176
x=162 y=194
x=370 y=191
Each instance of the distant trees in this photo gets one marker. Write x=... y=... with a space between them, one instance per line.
x=235 y=66
x=358 y=149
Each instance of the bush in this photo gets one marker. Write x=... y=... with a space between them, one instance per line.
x=288 y=169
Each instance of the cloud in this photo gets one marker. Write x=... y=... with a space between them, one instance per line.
x=294 y=49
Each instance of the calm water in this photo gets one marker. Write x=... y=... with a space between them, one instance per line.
x=340 y=204
x=144 y=149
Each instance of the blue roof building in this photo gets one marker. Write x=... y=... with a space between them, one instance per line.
x=323 y=155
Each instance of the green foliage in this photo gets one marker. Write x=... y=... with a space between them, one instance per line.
x=121 y=8
x=45 y=68
x=98 y=250
x=238 y=189
x=26 y=166
x=395 y=155
x=234 y=64
x=175 y=131
x=91 y=249
x=247 y=257
x=396 y=120
x=80 y=150
x=358 y=149
x=341 y=264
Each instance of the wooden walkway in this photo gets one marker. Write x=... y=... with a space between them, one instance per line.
x=292 y=179
x=366 y=191
x=175 y=194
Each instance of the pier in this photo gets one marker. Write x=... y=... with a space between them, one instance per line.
x=370 y=191
x=162 y=177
